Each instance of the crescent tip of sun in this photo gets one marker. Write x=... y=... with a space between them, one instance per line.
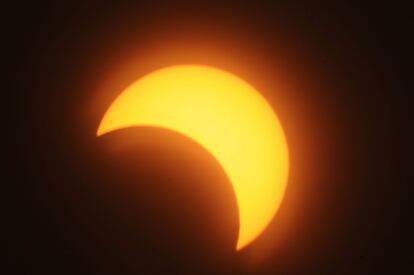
x=100 y=132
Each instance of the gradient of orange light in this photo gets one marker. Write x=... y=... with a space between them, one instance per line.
x=226 y=116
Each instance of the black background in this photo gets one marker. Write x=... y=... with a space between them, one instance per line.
x=78 y=206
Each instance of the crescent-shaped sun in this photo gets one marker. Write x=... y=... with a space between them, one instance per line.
x=226 y=116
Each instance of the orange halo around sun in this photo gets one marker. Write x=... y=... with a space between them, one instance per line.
x=226 y=116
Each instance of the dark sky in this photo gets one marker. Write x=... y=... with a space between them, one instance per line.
x=335 y=74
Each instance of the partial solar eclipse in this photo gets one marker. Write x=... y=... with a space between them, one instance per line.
x=226 y=116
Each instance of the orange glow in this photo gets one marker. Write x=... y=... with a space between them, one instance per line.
x=226 y=116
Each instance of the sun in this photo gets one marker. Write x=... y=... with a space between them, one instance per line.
x=225 y=115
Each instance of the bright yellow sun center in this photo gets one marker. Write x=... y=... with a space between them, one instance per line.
x=226 y=116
